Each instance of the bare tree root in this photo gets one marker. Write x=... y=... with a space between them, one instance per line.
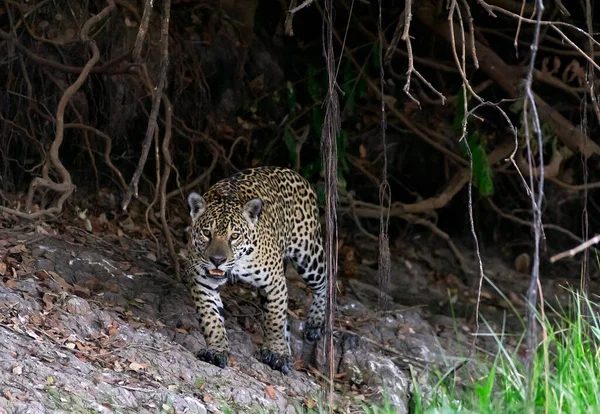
x=66 y=186
x=528 y=223
x=105 y=68
x=506 y=77
x=329 y=155
x=163 y=186
x=107 y=149
x=408 y=211
x=150 y=207
x=204 y=177
x=157 y=95
x=442 y=234
x=142 y=31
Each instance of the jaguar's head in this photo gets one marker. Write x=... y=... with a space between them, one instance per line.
x=222 y=233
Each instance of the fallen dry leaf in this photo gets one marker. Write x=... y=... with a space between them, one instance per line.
x=2 y=268
x=118 y=367
x=11 y=284
x=298 y=364
x=19 y=248
x=81 y=291
x=42 y=274
x=40 y=230
x=48 y=301
x=270 y=391
x=59 y=279
x=137 y=367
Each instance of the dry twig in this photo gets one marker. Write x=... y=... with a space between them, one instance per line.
x=65 y=187
x=331 y=126
x=572 y=252
x=157 y=93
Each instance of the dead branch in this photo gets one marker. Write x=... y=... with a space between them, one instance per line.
x=289 y=29
x=166 y=151
x=385 y=192
x=393 y=45
x=506 y=77
x=550 y=170
x=402 y=117
x=105 y=68
x=575 y=187
x=157 y=95
x=558 y=84
x=553 y=25
x=204 y=177
x=442 y=234
x=330 y=129
x=572 y=252
x=364 y=209
x=143 y=29
x=556 y=51
x=107 y=149
x=150 y=207
x=65 y=187
x=590 y=79
x=528 y=223
x=512 y=5
x=350 y=200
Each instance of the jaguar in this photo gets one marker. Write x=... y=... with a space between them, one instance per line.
x=246 y=228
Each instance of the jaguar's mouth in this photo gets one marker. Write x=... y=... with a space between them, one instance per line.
x=217 y=273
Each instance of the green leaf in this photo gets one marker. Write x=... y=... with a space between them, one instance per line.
x=484 y=390
x=482 y=172
x=460 y=110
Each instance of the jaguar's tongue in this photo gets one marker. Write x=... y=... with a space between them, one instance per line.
x=216 y=272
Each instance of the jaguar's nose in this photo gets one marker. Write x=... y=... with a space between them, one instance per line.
x=217 y=260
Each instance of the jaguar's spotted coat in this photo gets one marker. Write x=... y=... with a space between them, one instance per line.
x=243 y=228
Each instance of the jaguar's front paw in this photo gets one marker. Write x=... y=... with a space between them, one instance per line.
x=313 y=333
x=277 y=362
x=214 y=357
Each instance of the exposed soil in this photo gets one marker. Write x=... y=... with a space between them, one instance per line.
x=92 y=323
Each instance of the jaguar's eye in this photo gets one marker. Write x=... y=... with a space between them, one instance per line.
x=235 y=236
x=206 y=233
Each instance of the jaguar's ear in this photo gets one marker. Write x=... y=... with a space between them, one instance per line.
x=197 y=205
x=252 y=210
